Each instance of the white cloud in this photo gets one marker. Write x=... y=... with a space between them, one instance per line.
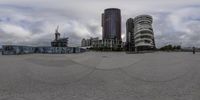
x=15 y=30
x=180 y=26
x=183 y=18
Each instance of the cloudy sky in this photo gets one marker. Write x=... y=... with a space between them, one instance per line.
x=33 y=22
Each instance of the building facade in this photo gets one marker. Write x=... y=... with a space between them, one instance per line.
x=102 y=45
x=108 y=45
x=88 y=42
x=130 y=41
x=111 y=24
x=59 y=42
x=83 y=42
x=142 y=36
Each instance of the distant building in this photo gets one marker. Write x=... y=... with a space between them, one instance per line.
x=111 y=23
x=88 y=42
x=83 y=42
x=111 y=28
x=140 y=35
x=110 y=45
x=59 y=42
x=97 y=44
x=130 y=41
x=143 y=31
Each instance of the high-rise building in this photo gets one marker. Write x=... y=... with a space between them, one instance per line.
x=143 y=36
x=111 y=23
x=130 y=45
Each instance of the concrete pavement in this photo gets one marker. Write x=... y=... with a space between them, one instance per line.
x=100 y=76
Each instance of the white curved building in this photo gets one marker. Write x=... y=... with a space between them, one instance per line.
x=139 y=34
x=143 y=33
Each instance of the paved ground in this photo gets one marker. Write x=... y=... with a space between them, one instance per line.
x=100 y=76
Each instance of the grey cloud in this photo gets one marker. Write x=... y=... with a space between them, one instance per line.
x=178 y=27
x=43 y=25
x=82 y=19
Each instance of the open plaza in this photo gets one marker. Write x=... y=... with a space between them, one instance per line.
x=100 y=76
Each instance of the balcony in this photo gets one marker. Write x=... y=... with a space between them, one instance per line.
x=143 y=44
x=146 y=34
x=141 y=30
x=143 y=39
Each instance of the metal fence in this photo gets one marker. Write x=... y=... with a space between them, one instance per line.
x=17 y=50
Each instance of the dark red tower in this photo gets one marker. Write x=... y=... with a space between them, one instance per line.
x=111 y=23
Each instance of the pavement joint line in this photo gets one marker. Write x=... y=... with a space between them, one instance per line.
x=140 y=79
x=64 y=83
x=175 y=78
